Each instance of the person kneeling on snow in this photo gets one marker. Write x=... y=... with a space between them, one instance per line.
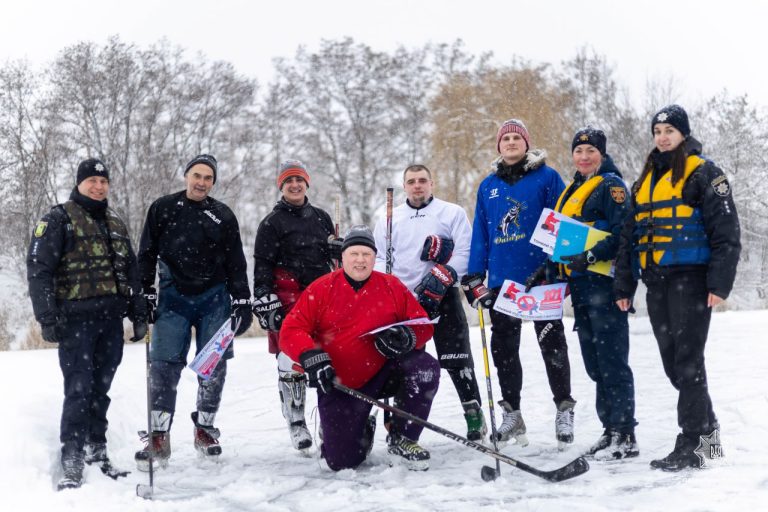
x=327 y=331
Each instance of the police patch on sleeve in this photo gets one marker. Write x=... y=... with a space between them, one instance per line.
x=618 y=194
x=721 y=186
x=40 y=229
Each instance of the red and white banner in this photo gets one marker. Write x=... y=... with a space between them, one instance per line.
x=540 y=303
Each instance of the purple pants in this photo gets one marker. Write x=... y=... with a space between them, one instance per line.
x=412 y=380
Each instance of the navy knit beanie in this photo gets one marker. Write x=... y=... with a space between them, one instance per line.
x=674 y=115
x=592 y=136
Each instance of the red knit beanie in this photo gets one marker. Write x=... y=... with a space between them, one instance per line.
x=513 y=126
x=291 y=168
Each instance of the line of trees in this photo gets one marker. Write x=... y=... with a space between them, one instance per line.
x=356 y=116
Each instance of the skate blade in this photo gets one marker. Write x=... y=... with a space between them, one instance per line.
x=143 y=465
x=564 y=445
x=410 y=465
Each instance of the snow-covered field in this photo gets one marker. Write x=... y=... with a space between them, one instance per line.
x=259 y=470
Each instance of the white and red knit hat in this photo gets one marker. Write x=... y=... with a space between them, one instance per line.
x=513 y=126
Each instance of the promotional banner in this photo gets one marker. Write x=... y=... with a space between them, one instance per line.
x=205 y=362
x=540 y=303
x=415 y=321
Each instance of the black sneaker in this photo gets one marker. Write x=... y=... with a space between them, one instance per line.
x=681 y=457
x=622 y=446
x=96 y=454
x=602 y=442
x=408 y=452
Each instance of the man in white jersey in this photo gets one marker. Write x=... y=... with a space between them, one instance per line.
x=430 y=251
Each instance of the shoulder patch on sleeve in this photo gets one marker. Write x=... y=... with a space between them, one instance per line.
x=40 y=228
x=721 y=186
x=618 y=194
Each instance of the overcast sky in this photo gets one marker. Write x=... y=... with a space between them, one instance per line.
x=708 y=45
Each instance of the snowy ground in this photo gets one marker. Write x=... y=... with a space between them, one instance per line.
x=260 y=471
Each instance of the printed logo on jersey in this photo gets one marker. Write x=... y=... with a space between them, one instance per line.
x=721 y=186
x=417 y=215
x=40 y=229
x=494 y=193
x=510 y=223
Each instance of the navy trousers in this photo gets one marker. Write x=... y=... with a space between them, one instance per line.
x=412 y=380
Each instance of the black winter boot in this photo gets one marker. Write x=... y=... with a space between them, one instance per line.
x=682 y=456
x=72 y=466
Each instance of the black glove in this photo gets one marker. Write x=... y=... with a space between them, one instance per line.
x=395 y=341
x=538 y=277
x=476 y=292
x=139 y=330
x=579 y=262
x=150 y=296
x=437 y=249
x=242 y=317
x=318 y=369
x=334 y=247
x=50 y=333
x=433 y=287
x=268 y=309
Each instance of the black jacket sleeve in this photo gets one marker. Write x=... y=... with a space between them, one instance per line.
x=235 y=265
x=624 y=282
x=148 y=249
x=615 y=213
x=265 y=253
x=45 y=251
x=138 y=306
x=709 y=190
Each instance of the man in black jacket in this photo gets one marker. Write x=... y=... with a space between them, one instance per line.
x=195 y=241
x=295 y=244
x=83 y=279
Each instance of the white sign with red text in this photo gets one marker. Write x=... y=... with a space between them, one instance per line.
x=540 y=303
x=545 y=234
x=206 y=360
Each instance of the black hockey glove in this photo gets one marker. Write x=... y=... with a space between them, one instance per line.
x=433 y=287
x=139 y=331
x=242 y=315
x=334 y=247
x=579 y=262
x=318 y=369
x=437 y=249
x=150 y=296
x=395 y=341
x=476 y=292
x=268 y=309
x=538 y=277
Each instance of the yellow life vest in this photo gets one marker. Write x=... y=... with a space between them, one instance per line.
x=665 y=227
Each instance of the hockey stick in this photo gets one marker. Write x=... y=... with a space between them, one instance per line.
x=146 y=491
x=574 y=468
x=487 y=473
x=337 y=263
x=390 y=201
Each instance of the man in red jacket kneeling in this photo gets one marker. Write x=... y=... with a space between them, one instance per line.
x=327 y=331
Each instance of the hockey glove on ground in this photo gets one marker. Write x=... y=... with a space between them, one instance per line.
x=395 y=341
x=437 y=249
x=242 y=317
x=476 y=292
x=150 y=296
x=139 y=331
x=318 y=369
x=579 y=262
x=433 y=287
x=538 y=277
x=268 y=309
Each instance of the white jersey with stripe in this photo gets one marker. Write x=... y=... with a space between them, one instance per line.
x=410 y=227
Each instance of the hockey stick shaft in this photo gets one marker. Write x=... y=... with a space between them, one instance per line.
x=390 y=206
x=487 y=368
x=337 y=220
x=574 y=468
x=146 y=492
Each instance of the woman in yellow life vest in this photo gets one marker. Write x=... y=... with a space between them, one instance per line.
x=682 y=239
x=598 y=197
